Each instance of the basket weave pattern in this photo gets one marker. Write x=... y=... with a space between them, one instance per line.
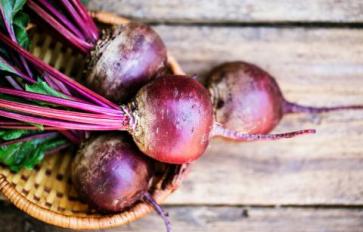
x=46 y=192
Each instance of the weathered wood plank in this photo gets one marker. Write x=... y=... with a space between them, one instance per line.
x=235 y=11
x=216 y=219
x=313 y=66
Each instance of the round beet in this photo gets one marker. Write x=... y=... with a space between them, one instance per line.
x=111 y=174
x=245 y=98
x=174 y=118
x=124 y=59
x=248 y=99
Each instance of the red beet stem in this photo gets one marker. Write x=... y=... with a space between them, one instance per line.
x=290 y=107
x=219 y=131
x=17 y=71
x=71 y=136
x=13 y=83
x=54 y=150
x=82 y=45
x=76 y=104
x=79 y=20
x=61 y=125
x=82 y=10
x=31 y=137
x=62 y=18
x=57 y=85
x=57 y=74
x=149 y=199
x=95 y=119
x=25 y=127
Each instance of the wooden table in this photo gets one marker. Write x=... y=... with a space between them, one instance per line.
x=314 y=48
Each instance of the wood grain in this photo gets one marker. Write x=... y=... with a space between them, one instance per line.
x=312 y=66
x=235 y=11
x=216 y=219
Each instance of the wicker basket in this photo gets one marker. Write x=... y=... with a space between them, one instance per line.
x=46 y=192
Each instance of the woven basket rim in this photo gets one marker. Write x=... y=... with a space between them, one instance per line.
x=77 y=222
x=88 y=222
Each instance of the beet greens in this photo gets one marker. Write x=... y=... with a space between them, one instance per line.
x=22 y=147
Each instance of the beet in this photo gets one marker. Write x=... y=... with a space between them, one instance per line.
x=171 y=118
x=173 y=121
x=248 y=99
x=124 y=59
x=111 y=174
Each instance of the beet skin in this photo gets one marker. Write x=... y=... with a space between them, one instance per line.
x=125 y=59
x=245 y=98
x=174 y=118
x=110 y=172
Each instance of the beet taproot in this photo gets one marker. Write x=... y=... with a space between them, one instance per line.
x=124 y=59
x=111 y=174
x=248 y=99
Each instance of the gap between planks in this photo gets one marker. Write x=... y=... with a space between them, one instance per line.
x=235 y=11
x=216 y=219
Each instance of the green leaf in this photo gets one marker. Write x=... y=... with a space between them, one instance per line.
x=13 y=134
x=6 y=9
x=18 y=6
x=14 y=19
x=27 y=154
x=6 y=67
x=20 y=22
x=85 y=2
x=43 y=88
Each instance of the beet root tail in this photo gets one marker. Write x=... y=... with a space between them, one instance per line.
x=290 y=107
x=150 y=200
x=219 y=131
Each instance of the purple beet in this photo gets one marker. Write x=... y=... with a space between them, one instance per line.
x=124 y=59
x=111 y=174
x=173 y=121
x=248 y=99
x=121 y=59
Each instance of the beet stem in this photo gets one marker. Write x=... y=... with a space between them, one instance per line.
x=76 y=104
x=25 y=127
x=82 y=10
x=13 y=83
x=60 y=114
x=71 y=136
x=17 y=71
x=54 y=150
x=57 y=85
x=30 y=137
x=219 y=131
x=290 y=107
x=57 y=74
x=149 y=199
x=82 y=45
x=60 y=125
x=66 y=22
x=79 y=20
